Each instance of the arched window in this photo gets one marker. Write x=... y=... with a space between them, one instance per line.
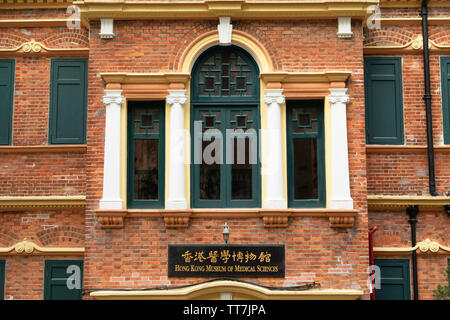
x=225 y=126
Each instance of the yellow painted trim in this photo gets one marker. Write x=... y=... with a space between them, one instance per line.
x=4 y=23
x=203 y=290
x=36 y=202
x=307 y=77
x=145 y=78
x=212 y=9
x=424 y=246
x=123 y=152
x=328 y=175
x=28 y=247
x=398 y=203
x=33 y=46
x=238 y=38
x=411 y=3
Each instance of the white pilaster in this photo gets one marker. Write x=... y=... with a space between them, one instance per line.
x=111 y=173
x=274 y=165
x=177 y=195
x=340 y=194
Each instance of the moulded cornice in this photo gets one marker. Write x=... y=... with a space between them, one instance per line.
x=45 y=202
x=423 y=246
x=145 y=78
x=400 y=203
x=213 y=9
x=29 y=247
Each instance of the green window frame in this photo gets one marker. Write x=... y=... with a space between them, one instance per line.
x=445 y=85
x=146 y=125
x=56 y=273
x=7 y=74
x=395 y=279
x=225 y=87
x=68 y=101
x=311 y=112
x=384 y=100
x=2 y=279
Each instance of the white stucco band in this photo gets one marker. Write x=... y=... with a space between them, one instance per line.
x=340 y=180
x=113 y=100
x=273 y=168
x=177 y=195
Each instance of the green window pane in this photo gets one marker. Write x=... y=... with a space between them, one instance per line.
x=305 y=169
x=2 y=279
x=146 y=147
x=394 y=279
x=306 y=158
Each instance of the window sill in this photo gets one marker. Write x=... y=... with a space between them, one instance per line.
x=272 y=218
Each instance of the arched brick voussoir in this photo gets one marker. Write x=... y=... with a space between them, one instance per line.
x=61 y=236
x=391 y=36
x=9 y=40
x=68 y=39
x=7 y=237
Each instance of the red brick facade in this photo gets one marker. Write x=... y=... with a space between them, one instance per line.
x=135 y=256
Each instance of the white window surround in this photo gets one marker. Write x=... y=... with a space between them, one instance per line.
x=273 y=168
x=340 y=188
x=177 y=194
x=340 y=179
x=111 y=199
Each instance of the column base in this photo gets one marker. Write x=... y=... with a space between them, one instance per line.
x=111 y=204
x=341 y=203
x=176 y=204
x=275 y=204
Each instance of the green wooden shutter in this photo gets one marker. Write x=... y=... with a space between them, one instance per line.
x=6 y=101
x=2 y=279
x=55 y=280
x=395 y=279
x=384 y=100
x=445 y=78
x=68 y=101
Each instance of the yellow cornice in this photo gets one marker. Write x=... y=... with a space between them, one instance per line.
x=5 y=23
x=34 y=4
x=423 y=246
x=400 y=203
x=414 y=46
x=212 y=9
x=412 y=3
x=29 y=247
x=145 y=78
x=33 y=47
x=236 y=288
x=44 y=202
x=306 y=77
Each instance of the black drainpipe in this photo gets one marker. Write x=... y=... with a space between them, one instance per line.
x=427 y=98
x=412 y=213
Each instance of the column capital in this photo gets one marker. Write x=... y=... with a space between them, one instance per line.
x=176 y=96
x=113 y=96
x=273 y=96
x=338 y=95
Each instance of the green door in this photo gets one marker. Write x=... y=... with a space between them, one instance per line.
x=2 y=279
x=63 y=279
x=395 y=279
x=6 y=101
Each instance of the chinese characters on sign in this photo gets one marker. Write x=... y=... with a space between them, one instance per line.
x=226 y=260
